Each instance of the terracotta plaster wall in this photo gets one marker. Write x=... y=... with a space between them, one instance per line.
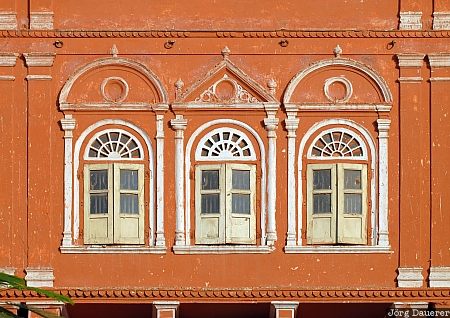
x=230 y=15
x=31 y=200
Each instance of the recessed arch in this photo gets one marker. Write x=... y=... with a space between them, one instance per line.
x=100 y=63
x=187 y=170
x=76 y=160
x=349 y=63
x=365 y=135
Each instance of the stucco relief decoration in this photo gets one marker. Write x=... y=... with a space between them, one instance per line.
x=114 y=89
x=338 y=89
x=227 y=91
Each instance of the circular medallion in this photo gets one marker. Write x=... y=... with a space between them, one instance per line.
x=114 y=89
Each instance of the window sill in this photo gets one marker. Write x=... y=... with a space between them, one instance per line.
x=338 y=250
x=226 y=249
x=111 y=249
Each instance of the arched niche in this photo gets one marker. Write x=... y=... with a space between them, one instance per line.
x=112 y=83
x=338 y=81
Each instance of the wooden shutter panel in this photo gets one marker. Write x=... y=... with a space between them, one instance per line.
x=128 y=203
x=241 y=222
x=321 y=224
x=98 y=213
x=209 y=187
x=352 y=204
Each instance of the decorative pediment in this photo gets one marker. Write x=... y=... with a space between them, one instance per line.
x=225 y=85
x=112 y=84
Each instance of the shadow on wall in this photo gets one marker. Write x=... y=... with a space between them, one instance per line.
x=216 y=310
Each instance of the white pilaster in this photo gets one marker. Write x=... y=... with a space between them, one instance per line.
x=383 y=197
x=291 y=126
x=283 y=309
x=441 y=21
x=8 y=20
x=439 y=277
x=39 y=277
x=179 y=125
x=410 y=20
x=160 y=237
x=68 y=125
x=271 y=124
x=165 y=309
x=409 y=277
x=41 y=20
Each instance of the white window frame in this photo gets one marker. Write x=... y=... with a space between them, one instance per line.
x=225 y=217
x=114 y=218
x=337 y=218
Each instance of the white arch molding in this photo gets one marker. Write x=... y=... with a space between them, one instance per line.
x=74 y=214
x=378 y=216
x=381 y=83
x=187 y=165
x=141 y=68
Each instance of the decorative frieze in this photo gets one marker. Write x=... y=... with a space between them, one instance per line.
x=39 y=277
x=8 y=21
x=41 y=20
x=441 y=21
x=409 y=277
x=410 y=20
x=439 y=277
x=407 y=295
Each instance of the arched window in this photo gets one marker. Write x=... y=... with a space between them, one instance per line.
x=225 y=191
x=113 y=188
x=337 y=188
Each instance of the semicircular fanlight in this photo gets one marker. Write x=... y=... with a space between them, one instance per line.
x=336 y=143
x=113 y=144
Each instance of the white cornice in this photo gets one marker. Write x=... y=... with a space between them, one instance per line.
x=39 y=59
x=410 y=60
x=8 y=59
x=439 y=60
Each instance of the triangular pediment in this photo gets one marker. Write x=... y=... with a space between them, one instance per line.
x=226 y=84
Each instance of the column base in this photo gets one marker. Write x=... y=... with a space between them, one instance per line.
x=409 y=277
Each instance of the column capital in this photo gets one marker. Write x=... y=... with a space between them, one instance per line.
x=291 y=124
x=178 y=123
x=39 y=59
x=68 y=123
x=439 y=60
x=410 y=60
x=166 y=309
x=8 y=59
x=383 y=126
x=271 y=123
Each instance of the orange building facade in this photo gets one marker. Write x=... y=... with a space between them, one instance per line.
x=244 y=159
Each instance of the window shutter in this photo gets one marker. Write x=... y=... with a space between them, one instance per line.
x=321 y=205
x=210 y=204
x=352 y=203
x=98 y=204
x=240 y=204
x=129 y=203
